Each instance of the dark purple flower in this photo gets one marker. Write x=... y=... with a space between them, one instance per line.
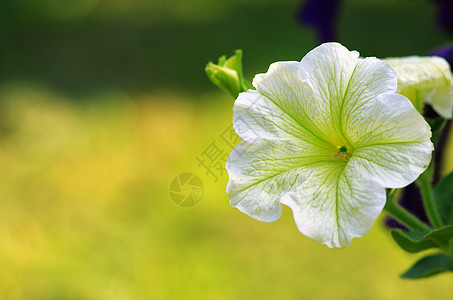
x=445 y=51
x=322 y=15
x=444 y=14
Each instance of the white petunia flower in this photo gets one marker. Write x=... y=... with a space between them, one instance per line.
x=325 y=136
x=425 y=80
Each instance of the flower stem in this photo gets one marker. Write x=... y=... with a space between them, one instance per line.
x=424 y=182
x=403 y=216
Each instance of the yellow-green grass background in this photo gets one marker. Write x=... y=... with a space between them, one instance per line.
x=86 y=161
x=86 y=213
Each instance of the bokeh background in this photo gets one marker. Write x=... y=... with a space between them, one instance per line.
x=104 y=102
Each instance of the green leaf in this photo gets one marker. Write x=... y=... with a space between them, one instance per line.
x=443 y=197
x=416 y=241
x=227 y=74
x=429 y=266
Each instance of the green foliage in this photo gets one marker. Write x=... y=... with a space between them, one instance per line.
x=429 y=266
x=441 y=238
x=443 y=197
x=416 y=241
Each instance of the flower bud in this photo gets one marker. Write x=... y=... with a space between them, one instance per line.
x=425 y=80
x=227 y=74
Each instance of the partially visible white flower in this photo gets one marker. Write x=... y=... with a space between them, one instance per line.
x=425 y=80
x=325 y=136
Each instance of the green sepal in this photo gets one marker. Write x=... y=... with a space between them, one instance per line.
x=416 y=241
x=429 y=266
x=443 y=197
x=227 y=74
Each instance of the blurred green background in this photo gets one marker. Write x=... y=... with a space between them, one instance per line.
x=104 y=102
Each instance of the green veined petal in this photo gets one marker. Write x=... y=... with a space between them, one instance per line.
x=261 y=173
x=335 y=205
x=393 y=144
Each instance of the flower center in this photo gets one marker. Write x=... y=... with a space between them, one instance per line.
x=342 y=154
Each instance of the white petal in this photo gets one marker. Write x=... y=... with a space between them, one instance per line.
x=344 y=86
x=421 y=72
x=256 y=117
x=331 y=203
x=441 y=99
x=261 y=173
x=282 y=87
x=327 y=70
x=334 y=205
x=392 y=142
